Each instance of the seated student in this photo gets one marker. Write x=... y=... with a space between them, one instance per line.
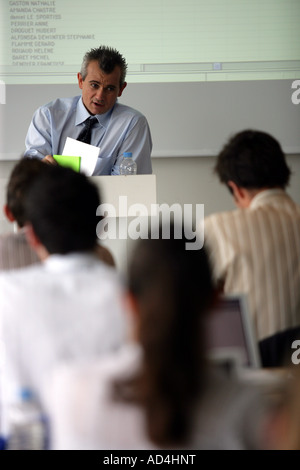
x=67 y=307
x=255 y=249
x=15 y=252
x=158 y=391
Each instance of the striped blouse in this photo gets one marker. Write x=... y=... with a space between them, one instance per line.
x=256 y=251
x=15 y=251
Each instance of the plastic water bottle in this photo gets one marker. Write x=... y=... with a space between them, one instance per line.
x=27 y=424
x=128 y=165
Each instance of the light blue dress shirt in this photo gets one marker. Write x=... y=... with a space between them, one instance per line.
x=122 y=129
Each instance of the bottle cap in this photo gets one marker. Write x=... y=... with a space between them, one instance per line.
x=26 y=394
x=127 y=154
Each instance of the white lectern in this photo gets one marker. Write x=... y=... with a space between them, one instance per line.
x=120 y=197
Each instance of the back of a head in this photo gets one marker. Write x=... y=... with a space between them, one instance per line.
x=173 y=289
x=21 y=179
x=254 y=160
x=61 y=206
x=162 y=268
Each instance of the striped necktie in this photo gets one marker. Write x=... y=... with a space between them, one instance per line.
x=85 y=134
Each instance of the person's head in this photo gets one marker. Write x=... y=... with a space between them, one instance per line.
x=252 y=160
x=21 y=179
x=60 y=211
x=171 y=290
x=102 y=79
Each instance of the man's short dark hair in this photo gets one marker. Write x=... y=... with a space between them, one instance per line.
x=253 y=159
x=61 y=206
x=108 y=58
x=21 y=179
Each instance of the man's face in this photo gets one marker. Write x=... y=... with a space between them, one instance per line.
x=100 y=90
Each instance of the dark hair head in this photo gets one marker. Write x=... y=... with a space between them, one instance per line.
x=107 y=58
x=21 y=179
x=253 y=160
x=173 y=289
x=61 y=206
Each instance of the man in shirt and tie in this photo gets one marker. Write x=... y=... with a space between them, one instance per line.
x=95 y=117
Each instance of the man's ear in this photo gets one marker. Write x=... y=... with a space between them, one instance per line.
x=122 y=89
x=80 y=80
x=235 y=189
x=240 y=194
x=8 y=213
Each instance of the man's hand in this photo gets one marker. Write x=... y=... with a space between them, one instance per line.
x=49 y=159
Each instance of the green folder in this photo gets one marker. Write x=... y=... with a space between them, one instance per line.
x=68 y=161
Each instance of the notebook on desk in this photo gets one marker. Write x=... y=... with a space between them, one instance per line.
x=230 y=332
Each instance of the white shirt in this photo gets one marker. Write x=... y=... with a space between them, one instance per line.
x=84 y=414
x=67 y=308
x=122 y=129
x=256 y=251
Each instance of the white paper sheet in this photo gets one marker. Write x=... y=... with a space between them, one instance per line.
x=88 y=153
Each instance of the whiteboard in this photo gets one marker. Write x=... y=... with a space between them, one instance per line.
x=199 y=70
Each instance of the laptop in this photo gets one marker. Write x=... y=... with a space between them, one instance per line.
x=230 y=334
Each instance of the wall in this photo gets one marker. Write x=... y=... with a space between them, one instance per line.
x=186 y=119
x=191 y=180
x=188 y=180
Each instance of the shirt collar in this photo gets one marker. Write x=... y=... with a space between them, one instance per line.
x=70 y=261
x=82 y=114
x=264 y=196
